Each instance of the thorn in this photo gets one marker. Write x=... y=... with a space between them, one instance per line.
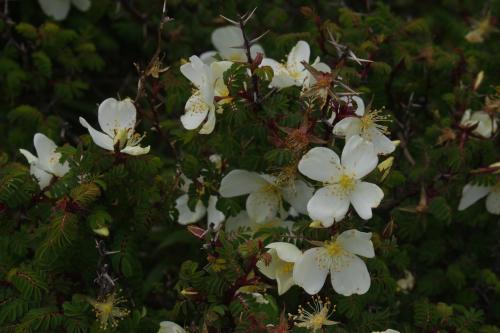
x=248 y=16
x=255 y=40
x=229 y=20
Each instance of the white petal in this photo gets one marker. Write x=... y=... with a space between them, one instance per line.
x=263 y=205
x=218 y=68
x=256 y=48
x=215 y=216
x=32 y=159
x=465 y=121
x=43 y=177
x=240 y=182
x=195 y=71
x=352 y=278
x=281 y=76
x=170 y=327
x=382 y=144
x=57 y=168
x=45 y=149
x=57 y=9
x=135 y=150
x=364 y=197
x=208 y=57
x=471 y=194
x=82 y=5
x=321 y=164
x=300 y=52
x=360 y=104
x=270 y=269
x=311 y=269
x=209 y=125
x=186 y=215
x=286 y=251
x=196 y=112
x=327 y=205
x=359 y=157
x=226 y=40
x=284 y=279
x=99 y=138
x=114 y=115
x=487 y=125
x=357 y=242
x=347 y=127
x=240 y=221
x=298 y=195
x=322 y=67
x=493 y=201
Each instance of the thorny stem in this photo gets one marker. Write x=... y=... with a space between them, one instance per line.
x=255 y=79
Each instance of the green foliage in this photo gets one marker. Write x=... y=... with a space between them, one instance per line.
x=113 y=217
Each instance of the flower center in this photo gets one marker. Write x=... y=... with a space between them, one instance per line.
x=287 y=267
x=372 y=119
x=347 y=182
x=333 y=248
x=121 y=137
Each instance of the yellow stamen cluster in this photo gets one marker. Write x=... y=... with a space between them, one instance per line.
x=333 y=248
x=347 y=183
x=372 y=119
x=108 y=309
x=316 y=316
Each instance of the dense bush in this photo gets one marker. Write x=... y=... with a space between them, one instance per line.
x=195 y=203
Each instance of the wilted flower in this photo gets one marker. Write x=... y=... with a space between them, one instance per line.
x=339 y=257
x=117 y=120
x=486 y=124
x=407 y=283
x=228 y=42
x=481 y=29
x=316 y=316
x=472 y=193
x=59 y=9
x=46 y=165
x=368 y=126
x=280 y=268
x=266 y=194
x=342 y=181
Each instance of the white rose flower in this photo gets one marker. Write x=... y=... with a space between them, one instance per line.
x=209 y=83
x=338 y=257
x=486 y=124
x=59 y=9
x=46 y=165
x=265 y=195
x=367 y=125
x=117 y=120
x=228 y=42
x=472 y=193
x=283 y=257
x=342 y=181
x=170 y=327
x=293 y=73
